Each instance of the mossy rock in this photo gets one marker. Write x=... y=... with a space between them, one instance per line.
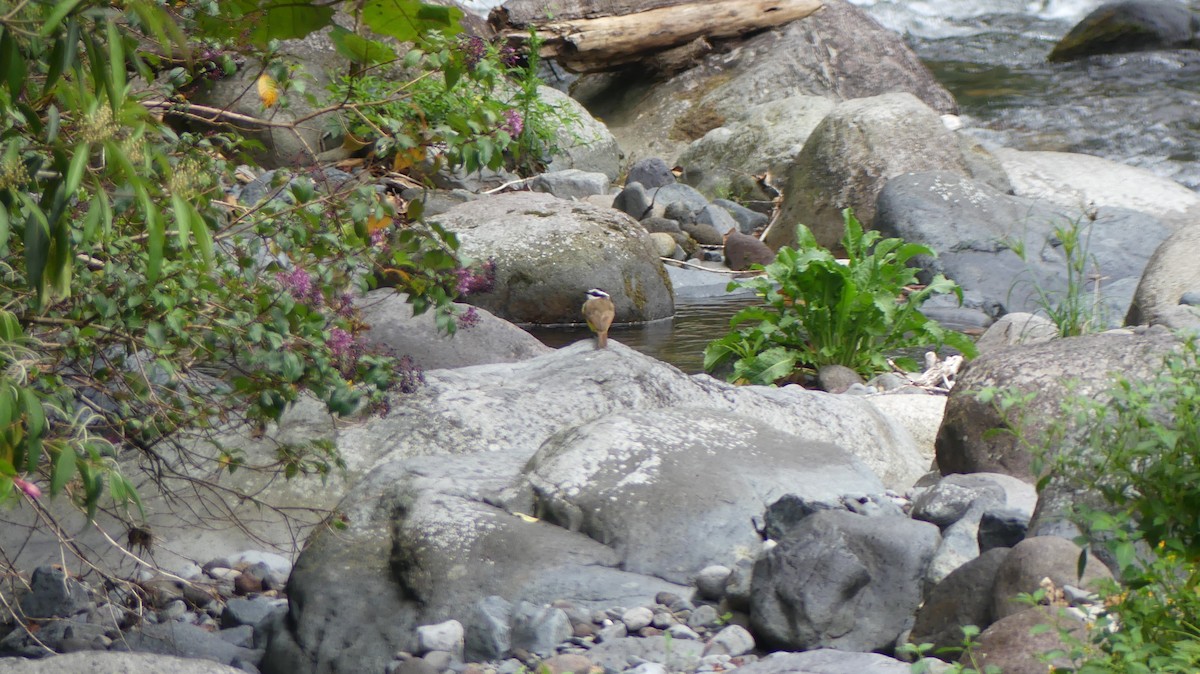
x=1136 y=25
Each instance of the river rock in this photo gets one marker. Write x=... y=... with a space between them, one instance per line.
x=826 y=661
x=1129 y=26
x=1055 y=371
x=185 y=640
x=549 y=252
x=488 y=340
x=964 y=597
x=684 y=504
x=52 y=594
x=748 y=221
x=1170 y=274
x=764 y=138
x=849 y=157
x=103 y=662
x=1034 y=559
x=841 y=580
x=581 y=141
x=1015 y=644
x=974 y=228
x=1016 y=328
x=655 y=118
x=445 y=514
x=1080 y=182
x=743 y=250
x=488 y=630
x=571 y=184
x=650 y=172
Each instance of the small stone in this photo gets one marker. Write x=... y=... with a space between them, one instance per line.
x=682 y=632
x=647 y=668
x=649 y=631
x=582 y=630
x=666 y=598
x=710 y=582
x=837 y=378
x=488 y=632
x=633 y=201
x=567 y=664
x=651 y=172
x=1190 y=298
x=439 y=660
x=411 y=666
x=539 y=630
x=173 y=611
x=637 y=618
x=252 y=612
x=663 y=620
x=733 y=640
x=611 y=632
x=680 y=605
x=704 y=616
x=223 y=573
x=444 y=636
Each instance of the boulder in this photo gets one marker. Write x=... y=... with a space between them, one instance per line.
x=849 y=157
x=104 y=662
x=974 y=229
x=673 y=491
x=650 y=172
x=1035 y=559
x=1130 y=26
x=581 y=141
x=812 y=57
x=1016 y=328
x=570 y=184
x=964 y=597
x=1016 y=644
x=446 y=513
x=841 y=580
x=826 y=661
x=920 y=415
x=764 y=138
x=743 y=250
x=1171 y=273
x=1080 y=182
x=549 y=252
x=972 y=437
x=490 y=340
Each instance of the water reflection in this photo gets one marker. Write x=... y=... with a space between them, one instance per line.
x=679 y=341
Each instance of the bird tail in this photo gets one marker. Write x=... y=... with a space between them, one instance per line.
x=601 y=339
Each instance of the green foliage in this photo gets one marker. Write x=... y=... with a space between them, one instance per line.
x=1140 y=451
x=135 y=301
x=468 y=105
x=258 y=22
x=818 y=311
x=922 y=664
x=1075 y=311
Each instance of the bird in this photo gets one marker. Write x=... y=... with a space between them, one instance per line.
x=598 y=310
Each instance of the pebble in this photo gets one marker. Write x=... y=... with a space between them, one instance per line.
x=637 y=618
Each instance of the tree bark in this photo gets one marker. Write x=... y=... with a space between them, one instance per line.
x=593 y=35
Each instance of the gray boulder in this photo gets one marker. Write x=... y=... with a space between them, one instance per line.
x=651 y=172
x=52 y=594
x=652 y=118
x=826 y=661
x=1034 y=559
x=445 y=514
x=1170 y=274
x=973 y=227
x=1016 y=328
x=964 y=597
x=849 y=157
x=570 y=183
x=103 y=662
x=185 y=640
x=764 y=138
x=1018 y=643
x=490 y=340
x=582 y=141
x=842 y=581
x=1055 y=371
x=1130 y=26
x=673 y=491
x=549 y=252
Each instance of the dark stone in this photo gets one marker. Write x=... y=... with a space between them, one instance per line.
x=1002 y=529
x=242 y=611
x=53 y=594
x=964 y=597
x=786 y=514
x=705 y=235
x=652 y=172
x=836 y=378
x=748 y=221
x=743 y=250
x=184 y=640
x=666 y=225
x=633 y=201
x=946 y=502
x=488 y=630
x=1130 y=26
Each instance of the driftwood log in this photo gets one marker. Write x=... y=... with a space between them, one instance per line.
x=596 y=35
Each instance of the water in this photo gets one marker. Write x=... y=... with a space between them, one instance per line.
x=679 y=341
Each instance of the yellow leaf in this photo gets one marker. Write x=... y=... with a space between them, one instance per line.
x=268 y=90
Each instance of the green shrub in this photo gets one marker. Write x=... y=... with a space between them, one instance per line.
x=136 y=301
x=1074 y=310
x=818 y=311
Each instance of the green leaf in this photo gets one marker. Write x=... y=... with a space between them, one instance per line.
x=14 y=68
x=5 y=229
x=202 y=235
x=260 y=21
x=37 y=243
x=183 y=223
x=116 y=62
x=410 y=20
x=6 y=468
x=78 y=164
x=64 y=470
x=62 y=55
x=359 y=49
x=60 y=12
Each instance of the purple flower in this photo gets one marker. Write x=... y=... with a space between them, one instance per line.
x=30 y=489
x=473 y=49
x=513 y=122
x=472 y=281
x=341 y=344
x=345 y=305
x=468 y=319
x=299 y=284
x=509 y=56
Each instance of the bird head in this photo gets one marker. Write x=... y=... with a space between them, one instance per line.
x=596 y=294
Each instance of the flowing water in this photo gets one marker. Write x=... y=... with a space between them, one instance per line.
x=1138 y=109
